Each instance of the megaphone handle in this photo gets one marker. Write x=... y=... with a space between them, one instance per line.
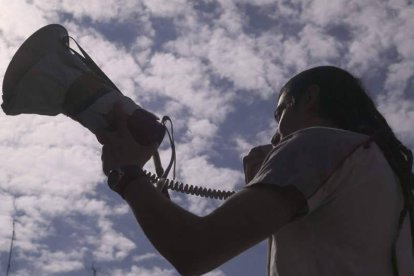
x=145 y=128
x=161 y=185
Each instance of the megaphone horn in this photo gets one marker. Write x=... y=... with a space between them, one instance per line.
x=47 y=77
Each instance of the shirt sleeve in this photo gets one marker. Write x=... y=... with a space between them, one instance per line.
x=307 y=158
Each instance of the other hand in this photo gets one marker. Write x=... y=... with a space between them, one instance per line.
x=254 y=159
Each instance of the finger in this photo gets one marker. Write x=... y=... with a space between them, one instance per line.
x=260 y=150
x=276 y=138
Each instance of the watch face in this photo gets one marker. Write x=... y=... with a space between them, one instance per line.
x=114 y=177
x=119 y=178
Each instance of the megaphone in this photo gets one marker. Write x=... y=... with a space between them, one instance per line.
x=47 y=77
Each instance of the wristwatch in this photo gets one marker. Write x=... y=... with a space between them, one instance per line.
x=118 y=179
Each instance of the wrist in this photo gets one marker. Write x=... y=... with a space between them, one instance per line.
x=120 y=178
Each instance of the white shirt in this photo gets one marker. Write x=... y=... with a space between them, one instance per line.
x=353 y=204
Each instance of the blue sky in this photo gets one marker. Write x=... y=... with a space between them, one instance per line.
x=213 y=66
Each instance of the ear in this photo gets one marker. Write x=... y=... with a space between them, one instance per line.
x=311 y=98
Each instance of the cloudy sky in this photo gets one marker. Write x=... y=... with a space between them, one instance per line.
x=213 y=66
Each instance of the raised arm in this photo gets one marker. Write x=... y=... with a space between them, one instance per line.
x=195 y=245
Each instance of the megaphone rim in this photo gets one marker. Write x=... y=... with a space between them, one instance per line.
x=54 y=31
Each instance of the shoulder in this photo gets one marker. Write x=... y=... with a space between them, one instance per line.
x=314 y=135
x=319 y=141
x=306 y=158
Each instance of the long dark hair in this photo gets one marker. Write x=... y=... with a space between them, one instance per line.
x=344 y=101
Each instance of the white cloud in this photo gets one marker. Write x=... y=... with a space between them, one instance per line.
x=243 y=145
x=201 y=127
x=7 y=212
x=230 y=18
x=236 y=60
x=375 y=28
x=199 y=137
x=166 y=8
x=328 y=12
x=46 y=145
x=185 y=81
x=145 y=257
x=320 y=47
x=99 y=10
x=113 y=247
x=5 y=55
x=12 y=30
x=59 y=262
x=399 y=113
x=51 y=166
x=199 y=171
x=141 y=50
x=398 y=74
x=200 y=206
x=231 y=57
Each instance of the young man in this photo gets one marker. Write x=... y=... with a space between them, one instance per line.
x=329 y=193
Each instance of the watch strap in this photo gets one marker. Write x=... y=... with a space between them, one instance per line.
x=120 y=178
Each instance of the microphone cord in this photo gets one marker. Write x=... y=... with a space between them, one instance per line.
x=162 y=182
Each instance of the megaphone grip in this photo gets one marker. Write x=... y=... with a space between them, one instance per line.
x=145 y=127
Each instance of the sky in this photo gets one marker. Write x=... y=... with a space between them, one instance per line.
x=215 y=67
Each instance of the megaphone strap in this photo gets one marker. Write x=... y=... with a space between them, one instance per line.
x=91 y=64
x=173 y=159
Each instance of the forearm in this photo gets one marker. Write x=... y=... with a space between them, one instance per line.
x=172 y=230
x=195 y=245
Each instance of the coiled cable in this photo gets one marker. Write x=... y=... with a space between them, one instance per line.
x=189 y=189
x=163 y=182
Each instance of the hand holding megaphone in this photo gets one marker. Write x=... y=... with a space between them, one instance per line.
x=120 y=148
